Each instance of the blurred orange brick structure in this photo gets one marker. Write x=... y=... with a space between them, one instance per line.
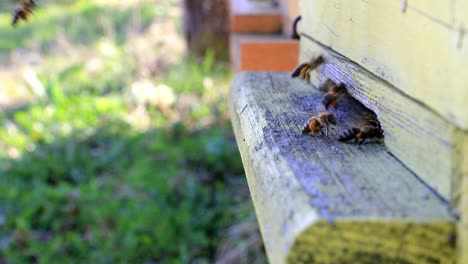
x=260 y=36
x=249 y=16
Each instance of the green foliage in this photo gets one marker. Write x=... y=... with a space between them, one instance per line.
x=117 y=189
x=189 y=76
x=83 y=181
x=80 y=21
x=99 y=191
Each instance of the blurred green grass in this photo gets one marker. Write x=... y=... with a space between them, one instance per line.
x=84 y=22
x=122 y=152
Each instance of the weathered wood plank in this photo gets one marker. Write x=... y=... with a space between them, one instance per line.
x=461 y=11
x=367 y=242
x=318 y=191
x=419 y=55
x=422 y=139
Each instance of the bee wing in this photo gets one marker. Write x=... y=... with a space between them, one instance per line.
x=327 y=100
x=308 y=113
x=17 y=14
x=307 y=75
x=297 y=71
x=14 y=20
x=315 y=62
x=325 y=86
x=339 y=89
x=349 y=134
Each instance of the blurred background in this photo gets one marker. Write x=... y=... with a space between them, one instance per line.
x=115 y=139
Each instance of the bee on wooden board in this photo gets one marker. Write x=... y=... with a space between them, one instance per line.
x=331 y=97
x=304 y=69
x=370 y=129
x=23 y=11
x=316 y=123
x=326 y=85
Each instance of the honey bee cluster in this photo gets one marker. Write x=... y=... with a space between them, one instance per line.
x=23 y=11
x=321 y=122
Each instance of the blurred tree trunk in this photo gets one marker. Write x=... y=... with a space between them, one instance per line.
x=206 y=27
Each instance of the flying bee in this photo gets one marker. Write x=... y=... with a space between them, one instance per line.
x=304 y=69
x=316 y=123
x=370 y=129
x=23 y=11
x=331 y=97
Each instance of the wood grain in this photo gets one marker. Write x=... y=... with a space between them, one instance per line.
x=423 y=55
x=318 y=191
x=423 y=140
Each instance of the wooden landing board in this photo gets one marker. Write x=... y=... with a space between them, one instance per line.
x=442 y=11
x=423 y=140
x=355 y=202
x=421 y=52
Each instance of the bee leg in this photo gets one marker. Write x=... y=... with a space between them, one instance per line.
x=326 y=131
x=362 y=141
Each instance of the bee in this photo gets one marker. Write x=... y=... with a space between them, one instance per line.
x=304 y=69
x=315 y=124
x=331 y=97
x=326 y=85
x=370 y=129
x=23 y=11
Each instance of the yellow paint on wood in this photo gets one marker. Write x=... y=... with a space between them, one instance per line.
x=424 y=141
x=360 y=241
x=414 y=52
x=441 y=11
